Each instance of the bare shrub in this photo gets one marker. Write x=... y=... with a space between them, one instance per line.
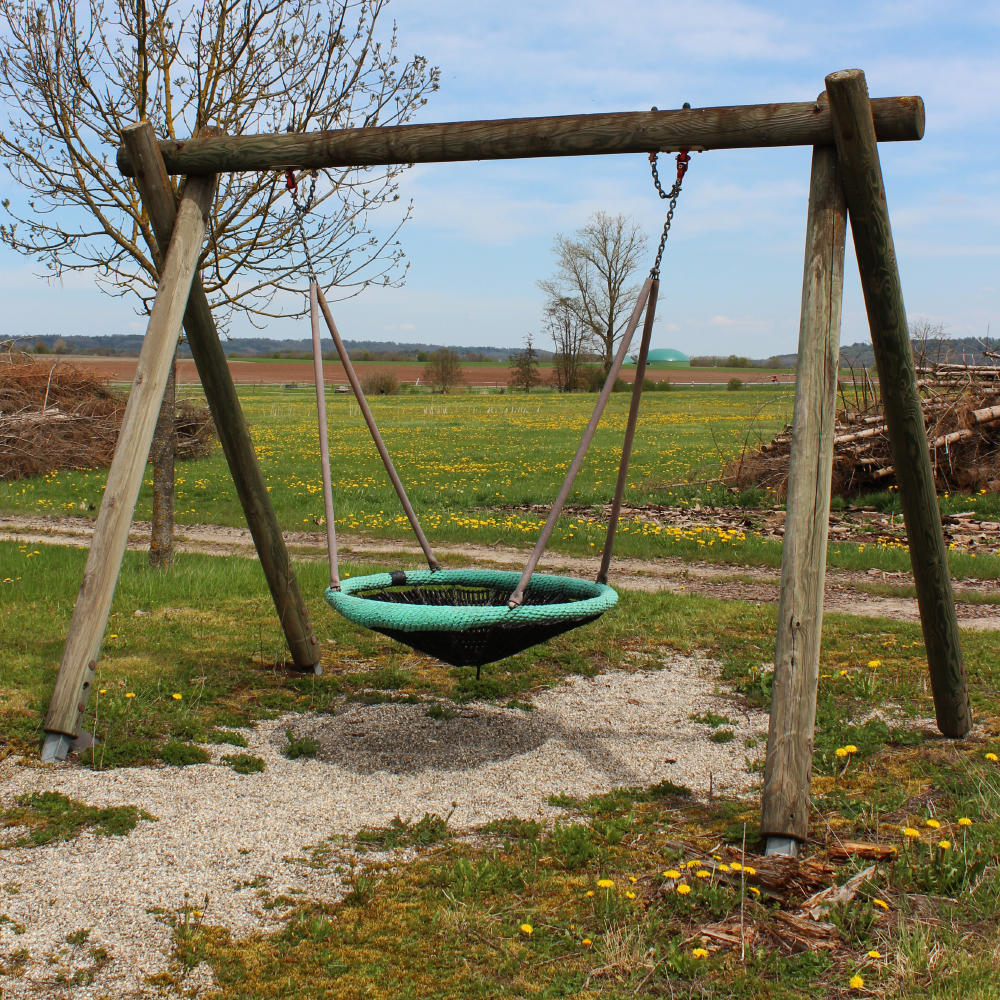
x=380 y=382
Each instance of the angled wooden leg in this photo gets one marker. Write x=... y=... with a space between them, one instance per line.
x=90 y=615
x=862 y=178
x=234 y=435
x=788 y=769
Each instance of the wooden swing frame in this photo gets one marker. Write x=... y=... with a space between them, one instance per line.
x=843 y=126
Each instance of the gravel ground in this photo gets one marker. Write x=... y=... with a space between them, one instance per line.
x=236 y=837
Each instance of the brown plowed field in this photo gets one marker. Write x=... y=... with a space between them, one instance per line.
x=301 y=372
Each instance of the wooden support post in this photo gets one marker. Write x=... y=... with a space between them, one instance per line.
x=93 y=604
x=788 y=769
x=863 y=186
x=234 y=435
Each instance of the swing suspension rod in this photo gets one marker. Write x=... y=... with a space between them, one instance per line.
x=647 y=293
x=324 y=441
x=352 y=377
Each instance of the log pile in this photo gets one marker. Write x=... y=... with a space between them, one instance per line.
x=961 y=407
x=61 y=417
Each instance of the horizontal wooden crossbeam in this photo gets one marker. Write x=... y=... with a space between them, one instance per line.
x=803 y=124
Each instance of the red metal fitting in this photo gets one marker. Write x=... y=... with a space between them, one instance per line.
x=683 y=161
x=290 y=182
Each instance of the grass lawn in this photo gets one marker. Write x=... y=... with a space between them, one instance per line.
x=451 y=923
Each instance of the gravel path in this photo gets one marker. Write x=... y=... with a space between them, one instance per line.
x=236 y=837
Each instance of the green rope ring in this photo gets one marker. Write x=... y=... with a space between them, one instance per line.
x=461 y=616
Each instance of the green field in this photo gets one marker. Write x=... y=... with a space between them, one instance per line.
x=462 y=459
x=466 y=460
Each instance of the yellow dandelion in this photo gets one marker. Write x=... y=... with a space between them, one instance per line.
x=874 y=954
x=933 y=824
x=176 y=696
x=694 y=864
x=632 y=879
x=945 y=845
x=105 y=691
x=841 y=751
x=874 y=663
x=605 y=883
x=699 y=953
x=590 y=892
x=856 y=982
x=908 y=831
x=115 y=637
x=749 y=871
x=881 y=904
x=755 y=890
x=991 y=756
x=130 y=694
x=526 y=928
x=843 y=673
x=587 y=942
x=965 y=821
x=671 y=873
x=683 y=889
x=630 y=895
x=851 y=748
x=736 y=866
x=723 y=868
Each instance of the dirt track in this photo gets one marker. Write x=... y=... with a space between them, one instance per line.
x=846 y=592
x=301 y=372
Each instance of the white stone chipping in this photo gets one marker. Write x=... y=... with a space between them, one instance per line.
x=236 y=837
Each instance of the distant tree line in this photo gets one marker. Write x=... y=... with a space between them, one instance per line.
x=735 y=361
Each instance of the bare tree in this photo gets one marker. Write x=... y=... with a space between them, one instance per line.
x=927 y=340
x=74 y=74
x=524 y=367
x=443 y=369
x=571 y=338
x=592 y=273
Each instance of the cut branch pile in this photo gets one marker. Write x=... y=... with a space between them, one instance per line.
x=961 y=407
x=63 y=418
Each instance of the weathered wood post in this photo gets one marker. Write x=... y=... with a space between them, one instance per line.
x=234 y=435
x=93 y=604
x=854 y=133
x=785 y=805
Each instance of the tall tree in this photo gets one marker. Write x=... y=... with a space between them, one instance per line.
x=524 y=367
x=593 y=269
x=571 y=339
x=73 y=73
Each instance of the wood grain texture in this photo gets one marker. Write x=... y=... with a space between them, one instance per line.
x=90 y=615
x=869 y=214
x=234 y=434
x=788 y=766
x=801 y=124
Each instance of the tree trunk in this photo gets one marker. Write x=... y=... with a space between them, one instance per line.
x=161 y=454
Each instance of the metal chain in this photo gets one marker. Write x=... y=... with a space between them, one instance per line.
x=301 y=211
x=683 y=161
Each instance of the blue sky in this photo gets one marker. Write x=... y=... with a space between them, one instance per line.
x=481 y=234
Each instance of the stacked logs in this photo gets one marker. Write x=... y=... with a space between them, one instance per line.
x=60 y=417
x=961 y=407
